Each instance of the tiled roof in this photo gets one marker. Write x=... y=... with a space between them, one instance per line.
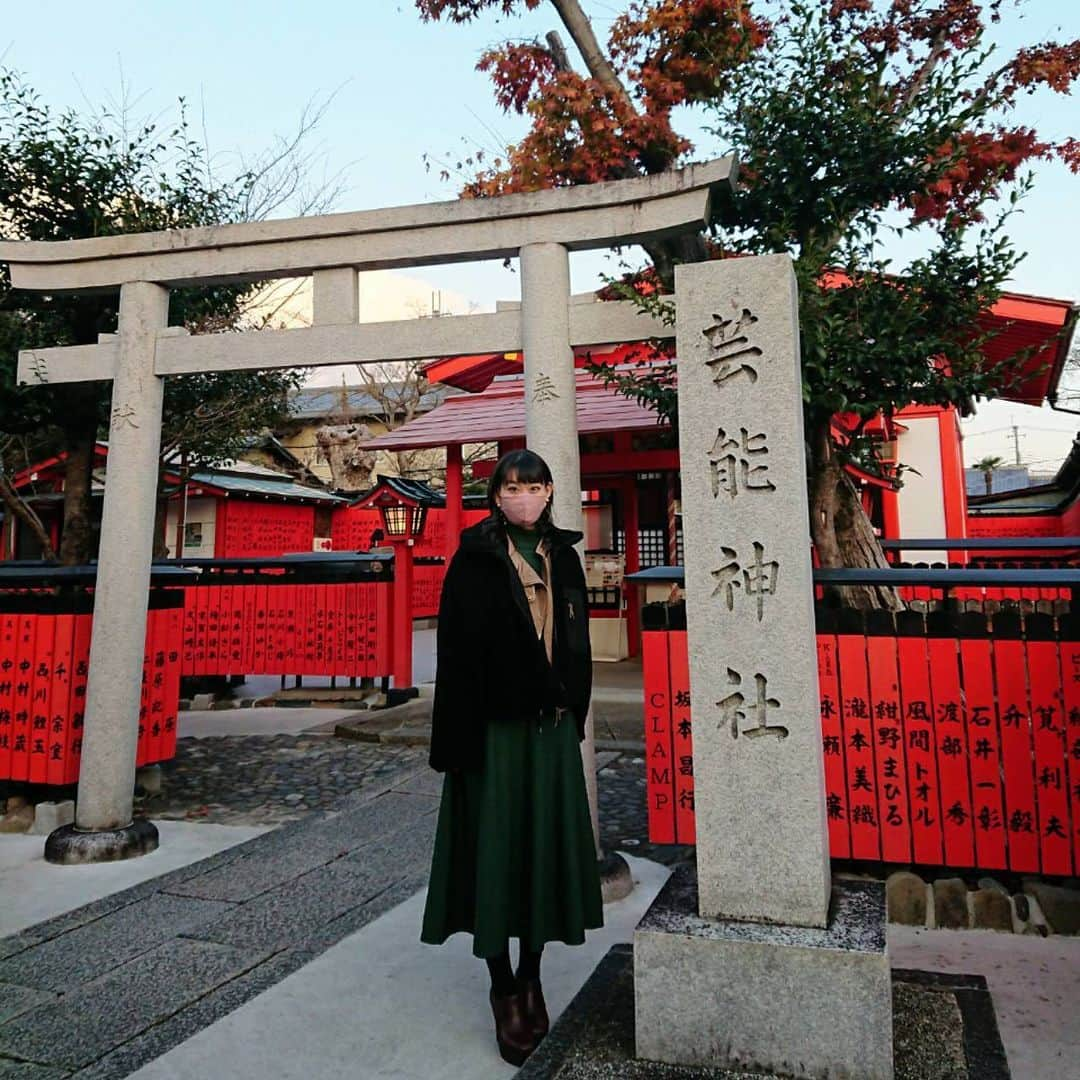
x=318 y=402
x=499 y=413
x=263 y=483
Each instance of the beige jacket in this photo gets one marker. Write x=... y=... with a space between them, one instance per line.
x=537 y=591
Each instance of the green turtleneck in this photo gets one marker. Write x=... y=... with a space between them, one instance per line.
x=525 y=540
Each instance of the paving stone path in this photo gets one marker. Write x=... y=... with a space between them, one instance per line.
x=97 y=992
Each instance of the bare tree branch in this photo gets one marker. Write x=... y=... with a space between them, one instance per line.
x=19 y=506
x=280 y=177
x=557 y=50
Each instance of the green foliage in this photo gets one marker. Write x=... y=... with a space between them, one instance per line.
x=64 y=176
x=841 y=148
x=838 y=153
x=210 y=417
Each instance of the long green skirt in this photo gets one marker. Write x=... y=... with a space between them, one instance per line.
x=514 y=853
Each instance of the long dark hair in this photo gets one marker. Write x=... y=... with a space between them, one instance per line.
x=527 y=467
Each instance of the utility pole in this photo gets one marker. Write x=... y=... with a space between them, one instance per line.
x=1016 y=441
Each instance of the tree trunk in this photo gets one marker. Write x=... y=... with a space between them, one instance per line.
x=580 y=29
x=161 y=517
x=841 y=531
x=666 y=254
x=77 y=544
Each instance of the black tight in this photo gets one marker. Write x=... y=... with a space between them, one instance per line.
x=503 y=981
x=528 y=965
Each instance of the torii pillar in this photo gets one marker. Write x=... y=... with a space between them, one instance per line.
x=551 y=427
x=105 y=828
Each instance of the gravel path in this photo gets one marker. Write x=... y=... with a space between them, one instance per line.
x=266 y=780
x=623 y=814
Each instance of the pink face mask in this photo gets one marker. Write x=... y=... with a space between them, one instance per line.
x=523 y=508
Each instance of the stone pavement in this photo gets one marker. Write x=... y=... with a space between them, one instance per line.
x=99 y=991
x=33 y=890
x=297 y=953
x=1034 y=982
x=381 y=1005
x=102 y=990
x=304 y=940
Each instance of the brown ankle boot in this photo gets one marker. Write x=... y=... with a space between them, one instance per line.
x=512 y=1030
x=536 y=1016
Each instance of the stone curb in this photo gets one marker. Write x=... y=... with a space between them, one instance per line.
x=950 y=903
x=227 y=704
x=383 y=730
x=210 y=703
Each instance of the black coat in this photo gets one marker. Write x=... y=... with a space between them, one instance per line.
x=492 y=666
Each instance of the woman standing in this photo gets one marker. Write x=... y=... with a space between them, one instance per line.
x=514 y=849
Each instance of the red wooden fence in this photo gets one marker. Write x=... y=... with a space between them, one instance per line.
x=947 y=740
x=336 y=629
x=44 y=659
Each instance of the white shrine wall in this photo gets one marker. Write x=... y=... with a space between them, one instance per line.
x=921 y=501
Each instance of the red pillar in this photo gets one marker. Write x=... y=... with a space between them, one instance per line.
x=402 y=614
x=672 y=520
x=954 y=491
x=453 y=499
x=633 y=559
x=890 y=514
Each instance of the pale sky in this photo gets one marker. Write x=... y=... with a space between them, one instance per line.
x=401 y=89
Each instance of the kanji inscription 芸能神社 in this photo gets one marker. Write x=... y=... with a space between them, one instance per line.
x=749 y=593
x=730 y=348
x=737 y=463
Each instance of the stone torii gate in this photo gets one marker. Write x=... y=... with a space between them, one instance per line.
x=758 y=961
x=539 y=228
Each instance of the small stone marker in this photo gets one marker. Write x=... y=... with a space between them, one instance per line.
x=762 y=962
x=51 y=815
x=18 y=815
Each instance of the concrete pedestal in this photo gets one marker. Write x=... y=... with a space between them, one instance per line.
x=796 y=1001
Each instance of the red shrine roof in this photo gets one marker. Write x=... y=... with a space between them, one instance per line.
x=494 y=408
x=498 y=413
x=1022 y=322
x=475 y=373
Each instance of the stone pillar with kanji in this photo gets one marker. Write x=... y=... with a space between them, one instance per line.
x=758 y=959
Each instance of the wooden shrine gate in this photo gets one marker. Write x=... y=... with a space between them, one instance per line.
x=948 y=740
